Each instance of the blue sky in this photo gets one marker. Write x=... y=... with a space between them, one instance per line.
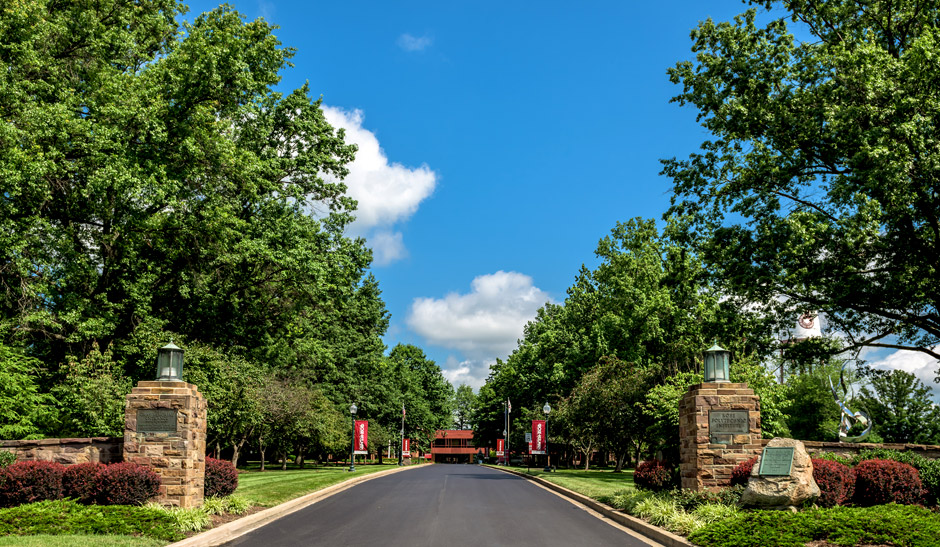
x=499 y=141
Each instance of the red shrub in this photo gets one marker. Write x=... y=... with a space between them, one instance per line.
x=221 y=478
x=127 y=484
x=742 y=472
x=884 y=481
x=30 y=481
x=653 y=475
x=836 y=482
x=82 y=482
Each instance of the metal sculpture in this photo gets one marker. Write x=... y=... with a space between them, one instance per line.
x=848 y=416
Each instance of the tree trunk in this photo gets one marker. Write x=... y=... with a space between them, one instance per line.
x=261 y=451
x=284 y=460
x=300 y=458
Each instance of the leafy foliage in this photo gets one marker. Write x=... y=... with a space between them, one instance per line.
x=901 y=407
x=63 y=517
x=884 y=524
x=836 y=482
x=817 y=190
x=83 y=482
x=742 y=472
x=30 y=481
x=879 y=482
x=655 y=475
x=127 y=483
x=221 y=478
x=6 y=458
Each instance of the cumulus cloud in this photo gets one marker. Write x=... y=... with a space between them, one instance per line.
x=921 y=365
x=413 y=43
x=387 y=247
x=484 y=323
x=470 y=372
x=387 y=192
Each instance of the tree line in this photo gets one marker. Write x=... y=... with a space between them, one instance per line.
x=815 y=193
x=155 y=187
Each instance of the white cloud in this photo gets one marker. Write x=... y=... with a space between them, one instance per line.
x=470 y=372
x=485 y=323
x=387 y=193
x=387 y=247
x=412 y=43
x=921 y=365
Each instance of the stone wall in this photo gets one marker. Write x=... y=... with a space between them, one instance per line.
x=68 y=451
x=816 y=448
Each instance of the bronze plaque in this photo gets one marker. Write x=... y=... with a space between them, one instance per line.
x=728 y=422
x=156 y=420
x=776 y=461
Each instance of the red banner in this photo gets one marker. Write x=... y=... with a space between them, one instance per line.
x=361 y=440
x=500 y=447
x=406 y=447
x=538 y=436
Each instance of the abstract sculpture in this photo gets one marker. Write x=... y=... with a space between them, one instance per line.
x=848 y=416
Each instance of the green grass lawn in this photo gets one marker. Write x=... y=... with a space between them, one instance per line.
x=594 y=483
x=274 y=486
x=79 y=541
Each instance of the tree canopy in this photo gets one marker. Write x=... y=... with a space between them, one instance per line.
x=817 y=190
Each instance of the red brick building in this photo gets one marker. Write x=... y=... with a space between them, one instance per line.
x=454 y=446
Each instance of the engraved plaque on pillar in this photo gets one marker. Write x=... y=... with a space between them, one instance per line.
x=724 y=424
x=156 y=420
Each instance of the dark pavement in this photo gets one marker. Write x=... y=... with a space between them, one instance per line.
x=441 y=505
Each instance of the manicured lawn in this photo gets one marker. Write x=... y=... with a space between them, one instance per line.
x=593 y=483
x=274 y=486
x=79 y=541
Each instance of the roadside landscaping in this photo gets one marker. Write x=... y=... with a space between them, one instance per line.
x=869 y=517
x=68 y=523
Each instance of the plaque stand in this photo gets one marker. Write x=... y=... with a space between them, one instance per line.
x=165 y=430
x=719 y=427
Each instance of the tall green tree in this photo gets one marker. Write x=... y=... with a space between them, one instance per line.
x=818 y=189
x=465 y=407
x=901 y=407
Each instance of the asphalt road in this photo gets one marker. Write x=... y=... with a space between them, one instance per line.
x=441 y=505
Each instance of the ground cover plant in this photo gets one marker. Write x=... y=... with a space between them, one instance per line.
x=903 y=525
x=63 y=517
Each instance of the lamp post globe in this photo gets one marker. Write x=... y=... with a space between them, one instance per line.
x=716 y=364
x=352 y=445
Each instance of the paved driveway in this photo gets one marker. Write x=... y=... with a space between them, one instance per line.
x=442 y=505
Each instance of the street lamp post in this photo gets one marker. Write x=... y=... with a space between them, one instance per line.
x=505 y=449
x=352 y=446
x=548 y=457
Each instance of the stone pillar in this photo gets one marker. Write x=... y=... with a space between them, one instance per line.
x=719 y=427
x=165 y=430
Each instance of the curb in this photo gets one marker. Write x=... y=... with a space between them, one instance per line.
x=239 y=527
x=637 y=525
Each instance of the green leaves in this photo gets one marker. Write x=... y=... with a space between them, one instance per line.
x=816 y=191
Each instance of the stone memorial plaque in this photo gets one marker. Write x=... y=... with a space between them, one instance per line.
x=156 y=420
x=728 y=422
x=776 y=461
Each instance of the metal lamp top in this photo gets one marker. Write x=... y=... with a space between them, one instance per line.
x=353 y=409
x=547 y=408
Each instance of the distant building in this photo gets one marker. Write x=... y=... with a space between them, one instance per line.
x=454 y=446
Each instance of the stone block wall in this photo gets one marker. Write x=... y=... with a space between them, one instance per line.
x=707 y=457
x=165 y=429
x=68 y=451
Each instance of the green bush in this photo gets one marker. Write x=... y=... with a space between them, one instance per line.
x=906 y=525
x=66 y=517
x=6 y=458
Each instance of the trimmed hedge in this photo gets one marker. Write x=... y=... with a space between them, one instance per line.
x=742 y=472
x=82 y=482
x=221 y=478
x=127 y=483
x=653 y=475
x=30 y=481
x=878 y=482
x=836 y=482
x=928 y=469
